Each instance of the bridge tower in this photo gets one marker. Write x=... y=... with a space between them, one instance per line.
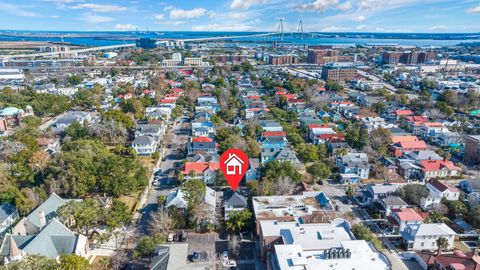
x=300 y=28
x=280 y=29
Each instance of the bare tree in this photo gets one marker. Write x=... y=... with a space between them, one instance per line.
x=119 y=259
x=283 y=186
x=204 y=216
x=110 y=132
x=435 y=114
x=234 y=245
x=160 y=221
x=213 y=260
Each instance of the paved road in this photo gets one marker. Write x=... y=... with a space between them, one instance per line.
x=173 y=155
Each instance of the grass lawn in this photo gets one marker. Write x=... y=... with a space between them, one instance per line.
x=130 y=200
x=148 y=162
x=461 y=246
x=97 y=263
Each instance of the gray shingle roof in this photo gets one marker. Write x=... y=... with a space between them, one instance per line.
x=55 y=239
x=6 y=210
x=49 y=208
x=143 y=140
x=235 y=200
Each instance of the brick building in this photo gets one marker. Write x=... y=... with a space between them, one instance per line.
x=338 y=73
x=472 y=148
x=283 y=59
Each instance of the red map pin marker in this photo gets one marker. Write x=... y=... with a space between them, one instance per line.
x=234 y=165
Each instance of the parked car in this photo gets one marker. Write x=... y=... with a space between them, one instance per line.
x=170 y=237
x=225 y=255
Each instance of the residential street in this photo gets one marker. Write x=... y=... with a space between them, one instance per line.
x=172 y=157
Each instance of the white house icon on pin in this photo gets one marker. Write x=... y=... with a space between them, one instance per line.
x=234 y=164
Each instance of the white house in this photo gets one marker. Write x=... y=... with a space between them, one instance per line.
x=144 y=145
x=424 y=236
x=443 y=190
x=437 y=191
x=401 y=218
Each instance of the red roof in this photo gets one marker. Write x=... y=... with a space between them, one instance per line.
x=416 y=118
x=200 y=167
x=318 y=126
x=342 y=102
x=442 y=186
x=274 y=134
x=413 y=145
x=407 y=214
x=254 y=97
x=167 y=101
x=321 y=89
x=397 y=139
x=436 y=165
x=403 y=112
x=295 y=100
x=330 y=136
x=202 y=139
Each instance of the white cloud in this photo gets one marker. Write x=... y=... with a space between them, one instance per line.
x=318 y=5
x=125 y=27
x=237 y=15
x=345 y=6
x=334 y=29
x=100 y=8
x=94 y=19
x=169 y=22
x=168 y=8
x=222 y=27
x=160 y=16
x=212 y=14
x=361 y=27
x=17 y=10
x=438 y=28
x=474 y=9
x=360 y=18
x=187 y=14
x=244 y=4
x=54 y=16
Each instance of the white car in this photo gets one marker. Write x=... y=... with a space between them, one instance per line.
x=230 y=263
x=170 y=237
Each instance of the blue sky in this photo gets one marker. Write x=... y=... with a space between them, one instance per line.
x=243 y=15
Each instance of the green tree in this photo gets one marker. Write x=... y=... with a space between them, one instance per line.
x=145 y=247
x=239 y=221
x=77 y=131
x=118 y=215
x=308 y=152
x=412 y=193
x=450 y=97
x=275 y=169
x=73 y=262
x=194 y=192
x=379 y=107
x=74 y=79
x=319 y=170
x=120 y=117
x=350 y=191
x=442 y=243
x=363 y=233
x=32 y=262
x=434 y=217
x=333 y=86
x=84 y=215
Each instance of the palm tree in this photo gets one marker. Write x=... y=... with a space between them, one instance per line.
x=442 y=243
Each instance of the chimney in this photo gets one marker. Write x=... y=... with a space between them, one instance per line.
x=475 y=252
x=43 y=220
